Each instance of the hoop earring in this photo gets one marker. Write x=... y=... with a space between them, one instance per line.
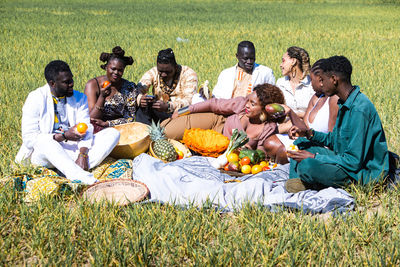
x=263 y=117
x=294 y=73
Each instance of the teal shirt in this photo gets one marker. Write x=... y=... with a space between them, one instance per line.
x=357 y=139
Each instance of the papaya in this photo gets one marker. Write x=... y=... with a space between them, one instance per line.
x=274 y=108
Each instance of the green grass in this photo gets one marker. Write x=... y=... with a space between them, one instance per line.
x=56 y=231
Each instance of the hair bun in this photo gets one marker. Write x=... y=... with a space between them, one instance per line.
x=118 y=51
x=104 y=57
x=128 y=60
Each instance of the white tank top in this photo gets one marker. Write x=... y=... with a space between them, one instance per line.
x=321 y=120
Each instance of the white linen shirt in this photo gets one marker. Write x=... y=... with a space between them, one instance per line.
x=224 y=87
x=297 y=101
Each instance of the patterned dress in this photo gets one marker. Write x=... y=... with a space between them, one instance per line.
x=121 y=107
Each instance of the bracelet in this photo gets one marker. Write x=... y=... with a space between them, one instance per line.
x=98 y=107
x=83 y=155
x=63 y=135
x=183 y=111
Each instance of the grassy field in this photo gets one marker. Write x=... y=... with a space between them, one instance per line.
x=69 y=231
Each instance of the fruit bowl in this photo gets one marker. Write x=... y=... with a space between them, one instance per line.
x=177 y=145
x=134 y=140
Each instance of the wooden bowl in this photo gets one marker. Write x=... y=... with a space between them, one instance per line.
x=134 y=140
x=178 y=145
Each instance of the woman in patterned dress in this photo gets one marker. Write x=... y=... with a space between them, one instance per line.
x=114 y=103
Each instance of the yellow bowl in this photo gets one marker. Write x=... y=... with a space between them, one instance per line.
x=134 y=140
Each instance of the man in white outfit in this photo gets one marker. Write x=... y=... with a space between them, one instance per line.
x=240 y=79
x=49 y=134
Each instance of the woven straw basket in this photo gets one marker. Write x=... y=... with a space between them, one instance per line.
x=119 y=191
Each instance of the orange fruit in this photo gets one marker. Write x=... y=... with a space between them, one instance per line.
x=245 y=161
x=105 y=84
x=81 y=128
x=232 y=157
x=226 y=168
x=180 y=154
x=264 y=163
x=266 y=168
x=256 y=169
x=246 y=169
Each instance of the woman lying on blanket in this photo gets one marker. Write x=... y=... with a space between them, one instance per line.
x=243 y=113
x=111 y=99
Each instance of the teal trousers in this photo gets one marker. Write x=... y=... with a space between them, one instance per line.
x=316 y=172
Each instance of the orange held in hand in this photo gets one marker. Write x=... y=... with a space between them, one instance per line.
x=105 y=84
x=81 y=128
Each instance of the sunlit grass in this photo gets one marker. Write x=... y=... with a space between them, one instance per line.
x=69 y=231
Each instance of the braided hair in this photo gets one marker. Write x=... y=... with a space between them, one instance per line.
x=302 y=58
x=339 y=65
x=117 y=53
x=166 y=56
x=317 y=65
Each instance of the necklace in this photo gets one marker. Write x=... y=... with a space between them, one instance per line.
x=165 y=88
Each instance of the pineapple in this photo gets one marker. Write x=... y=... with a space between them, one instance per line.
x=161 y=146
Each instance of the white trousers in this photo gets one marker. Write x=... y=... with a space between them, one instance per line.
x=62 y=155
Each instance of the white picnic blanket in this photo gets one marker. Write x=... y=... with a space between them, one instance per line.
x=193 y=182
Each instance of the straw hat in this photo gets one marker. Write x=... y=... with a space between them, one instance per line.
x=134 y=140
x=119 y=191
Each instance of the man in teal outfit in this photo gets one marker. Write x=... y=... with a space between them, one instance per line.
x=355 y=150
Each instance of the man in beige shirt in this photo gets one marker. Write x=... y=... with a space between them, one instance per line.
x=241 y=79
x=173 y=87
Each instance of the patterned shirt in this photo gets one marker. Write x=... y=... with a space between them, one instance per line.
x=242 y=85
x=60 y=114
x=179 y=95
x=121 y=107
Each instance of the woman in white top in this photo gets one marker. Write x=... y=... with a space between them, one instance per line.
x=322 y=110
x=296 y=83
